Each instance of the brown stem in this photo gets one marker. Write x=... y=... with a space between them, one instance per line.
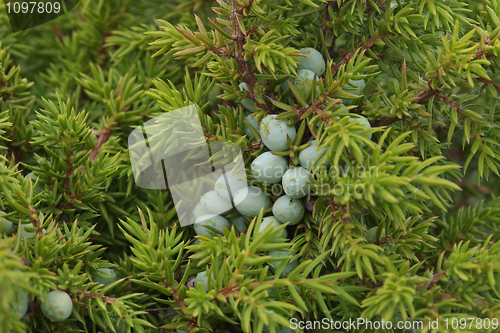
x=245 y=71
x=102 y=137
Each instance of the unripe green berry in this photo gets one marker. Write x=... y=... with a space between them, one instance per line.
x=274 y=133
x=269 y=168
x=250 y=200
x=57 y=306
x=288 y=210
x=313 y=61
x=296 y=182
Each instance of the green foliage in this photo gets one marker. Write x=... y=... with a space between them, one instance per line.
x=72 y=91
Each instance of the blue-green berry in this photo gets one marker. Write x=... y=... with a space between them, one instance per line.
x=310 y=154
x=304 y=82
x=285 y=86
x=57 y=306
x=371 y=235
x=296 y=182
x=5 y=225
x=214 y=203
x=313 y=61
x=20 y=306
x=236 y=182
x=288 y=210
x=255 y=124
x=274 y=133
x=282 y=254
x=272 y=221
x=359 y=86
x=269 y=168
x=199 y=211
x=239 y=222
x=216 y=221
x=38 y=188
x=250 y=200
x=27 y=231
x=364 y=122
x=106 y=276
x=202 y=277
x=248 y=103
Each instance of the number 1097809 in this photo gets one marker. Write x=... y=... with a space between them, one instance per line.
x=33 y=7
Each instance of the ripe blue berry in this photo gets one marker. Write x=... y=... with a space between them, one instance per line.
x=274 y=133
x=287 y=209
x=215 y=204
x=57 y=306
x=271 y=220
x=250 y=200
x=5 y=225
x=216 y=221
x=310 y=154
x=268 y=168
x=313 y=61
x=255 y=124
x=295 y=182
x=282 y=254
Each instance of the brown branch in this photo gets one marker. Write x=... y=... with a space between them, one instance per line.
x=88 y=295
x=246 y=72
x=102 y=137
x=486 y=81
